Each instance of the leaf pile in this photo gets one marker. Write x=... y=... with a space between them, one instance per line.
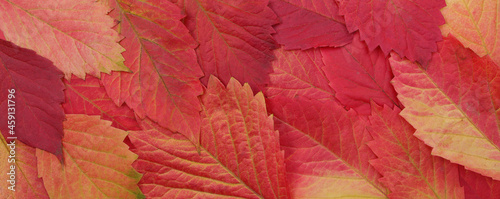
x=250 y=99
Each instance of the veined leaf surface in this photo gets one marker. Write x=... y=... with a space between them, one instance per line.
x=299 y=73
x=89 y=97
x=75 y=35
x=97 y=164
x=359 y=75
x=405 y=162
x=475 y=23
x=478 y=186
x=235 y=38
x=164 y=85
x=239 y=156
x=326 y=155
x=454 y=105
x=27 y=182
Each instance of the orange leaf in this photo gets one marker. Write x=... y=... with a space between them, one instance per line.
x=97 y=162
x=75 y=35
x=27 y=182
x=475 y=23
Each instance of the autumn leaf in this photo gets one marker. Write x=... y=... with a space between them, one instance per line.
x=27 y=183
x=299 y=73
x=89 y=97
x=309 y=24
x=326 y=155
x=454 y=105
x=477 y=186
x=406 y=164
x=239 y=156
x=75 y=35
x=164 y=85
x=475 y=24
x=35 y=110
x=410 y=28
x=235 y=38
x=359 y=75
x=97 y=162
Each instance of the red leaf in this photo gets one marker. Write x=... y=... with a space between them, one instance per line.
x=359 y=75
x=89 y=97
x=75 y=35
x=239 y=154
x=409 y=169
x=477 y=186
x=325 y=150
x=235 y=38
x=410 y=28
x=454 y=105
x=38 y=97
x=298 y=73
x=164 y=85
x=309 y=24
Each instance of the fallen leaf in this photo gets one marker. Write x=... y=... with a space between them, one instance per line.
x=235 y=38
x=164 y=85
x=359 y=75
x=475 y=24
x=326 y=155
x=309 y=24
x=477 y=186
x=239 y=156
x=454 y=105
x=410 y=28
x=89 y=97
x=299 y=73
x=36 y=112
x=75 y=35
x=97 y=162
x=406 y=164
x=27 y=182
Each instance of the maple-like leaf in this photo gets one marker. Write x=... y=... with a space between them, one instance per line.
x=325 y=149
x=75 y=35
x=31 y=93
x=23 y=158
x=89 y=97
x=298 y=73
x=475 y=24
x=97 y=162
x=239 y=156
x=309 y=24
x=454 y=105
x=409 y=169
x=164 y=85
x=359 y=75
x=477 y=186
x=235 y=38
x=410 y=28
